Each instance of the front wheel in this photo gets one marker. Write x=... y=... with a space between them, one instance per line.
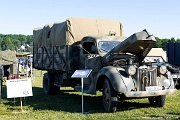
x=109 y=97
x=158 y=101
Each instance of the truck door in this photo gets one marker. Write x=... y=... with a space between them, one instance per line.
x=90 y=59
x=89 y=56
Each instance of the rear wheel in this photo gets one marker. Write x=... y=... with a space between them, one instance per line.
x=48 y=85
x=109 y=97
x=158 y=101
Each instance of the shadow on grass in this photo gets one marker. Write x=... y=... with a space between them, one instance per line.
x=68 y=101
x=176 y=114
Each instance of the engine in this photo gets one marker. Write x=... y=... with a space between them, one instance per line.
x=125 y=60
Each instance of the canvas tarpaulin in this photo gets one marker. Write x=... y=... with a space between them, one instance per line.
x=73 y=30
x=41 y=36
x=37 y=36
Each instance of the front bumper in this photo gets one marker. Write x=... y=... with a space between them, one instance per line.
x=139 y=94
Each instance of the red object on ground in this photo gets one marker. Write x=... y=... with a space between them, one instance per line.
x=14 y=76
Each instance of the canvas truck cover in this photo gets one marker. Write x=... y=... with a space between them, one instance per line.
x=73 y=30
x=41 y=36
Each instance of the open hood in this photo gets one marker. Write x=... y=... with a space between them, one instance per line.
x=138 y=44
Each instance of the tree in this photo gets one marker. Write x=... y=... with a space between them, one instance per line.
x=17 y=44
x=29 y=39
x=158 y=43
x=6 y=44
x=178 y=40
x=164 y=42
x=0 y=42
x=22 y=39
x=172 y=39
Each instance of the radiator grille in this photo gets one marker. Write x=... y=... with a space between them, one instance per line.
x=147 y=77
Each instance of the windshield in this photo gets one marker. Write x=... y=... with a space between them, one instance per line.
x=106 y=46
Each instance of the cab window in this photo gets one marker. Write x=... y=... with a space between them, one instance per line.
x=89 y=48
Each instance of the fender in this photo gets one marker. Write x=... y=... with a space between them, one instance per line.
x=120 y=81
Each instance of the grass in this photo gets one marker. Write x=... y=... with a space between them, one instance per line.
x=67 y=106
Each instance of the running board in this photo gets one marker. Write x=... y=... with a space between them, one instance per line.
x=78 y=88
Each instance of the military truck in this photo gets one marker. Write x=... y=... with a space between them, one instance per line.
x=173 y=57
x=117 y=65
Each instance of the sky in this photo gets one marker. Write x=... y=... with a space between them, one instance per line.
x=159 y=17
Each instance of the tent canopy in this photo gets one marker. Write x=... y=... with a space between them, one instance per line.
x=8 y=57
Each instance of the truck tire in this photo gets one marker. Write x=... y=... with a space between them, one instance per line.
x=109 y=97
x=48 y=85
x=158 y=101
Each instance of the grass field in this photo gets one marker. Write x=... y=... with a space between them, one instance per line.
x=67 y=106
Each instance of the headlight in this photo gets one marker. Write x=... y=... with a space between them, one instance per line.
x=131 y=70
x=162 y=69
x=166 y=83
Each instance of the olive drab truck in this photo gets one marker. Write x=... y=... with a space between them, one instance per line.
x=117 y=62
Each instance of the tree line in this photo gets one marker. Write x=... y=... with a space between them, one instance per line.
x=161 y=43
x=15 y=41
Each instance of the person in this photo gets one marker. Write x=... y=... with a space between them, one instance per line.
x=28 y=66
x=6 y=71
x=29 y=62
